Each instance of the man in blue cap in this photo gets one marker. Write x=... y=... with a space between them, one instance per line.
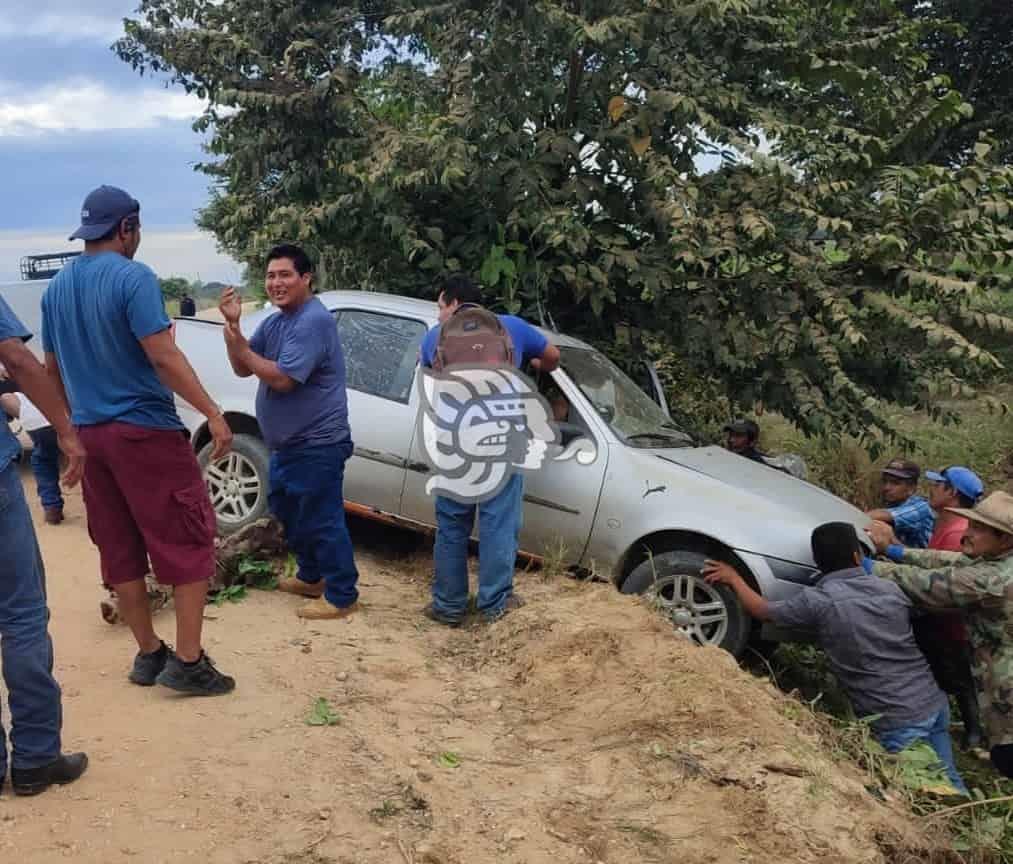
x=908 y=513
x=33 y=694
x=108 y=343
x=942 y=636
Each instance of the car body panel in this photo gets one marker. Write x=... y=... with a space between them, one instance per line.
x=593 y=516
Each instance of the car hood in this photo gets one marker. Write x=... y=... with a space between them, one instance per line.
x=789 y=495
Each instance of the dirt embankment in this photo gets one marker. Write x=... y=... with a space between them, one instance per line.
x=577 y=729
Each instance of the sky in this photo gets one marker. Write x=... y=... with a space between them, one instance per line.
x=74 y=116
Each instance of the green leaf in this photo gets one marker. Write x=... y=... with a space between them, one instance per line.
x=321 y=714
x=448 y=759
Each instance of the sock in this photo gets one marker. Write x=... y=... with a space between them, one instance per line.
x=195 y=662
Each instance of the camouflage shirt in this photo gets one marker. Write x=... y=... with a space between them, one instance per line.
x=983 y=590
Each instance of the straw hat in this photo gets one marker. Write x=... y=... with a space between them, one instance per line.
x=995 y=511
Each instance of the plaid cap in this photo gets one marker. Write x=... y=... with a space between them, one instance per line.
x=902 y=468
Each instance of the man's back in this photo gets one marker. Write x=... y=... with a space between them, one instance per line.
x=864 y=626
x=94 y=313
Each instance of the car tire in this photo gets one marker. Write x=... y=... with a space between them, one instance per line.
x=666 y=574
x=237 y=483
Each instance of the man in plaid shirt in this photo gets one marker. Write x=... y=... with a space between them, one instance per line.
x=909 y=514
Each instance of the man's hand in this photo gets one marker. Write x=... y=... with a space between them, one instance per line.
x=720 y=572
x=10 y=404
x=882 y=535
x=230 y=306
x=221 y=435
x=73 y=450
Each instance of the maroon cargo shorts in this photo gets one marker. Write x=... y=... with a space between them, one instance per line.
x=145 y=498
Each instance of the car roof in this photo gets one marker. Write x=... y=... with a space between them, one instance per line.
x=396 y=304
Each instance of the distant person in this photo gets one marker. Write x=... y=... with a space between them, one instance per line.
x=187 y=307
x=742 y=437
x=979 y=583
x=33 y=694
x=45 y=453
x=107 y=341
x=302 y=409
x=864 y=625
x=499 y=518
x=909 y=514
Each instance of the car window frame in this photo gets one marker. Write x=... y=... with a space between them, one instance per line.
x=340 y=310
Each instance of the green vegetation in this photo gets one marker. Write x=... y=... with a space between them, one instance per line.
x=759 y=186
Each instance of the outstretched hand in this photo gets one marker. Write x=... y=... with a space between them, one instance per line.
x=882 y=535
x=719 y=572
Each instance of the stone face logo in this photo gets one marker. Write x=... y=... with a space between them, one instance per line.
x=480 y=425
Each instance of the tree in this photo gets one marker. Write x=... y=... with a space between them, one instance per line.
x=977 y=57
x=740 y=180
x=174 y=287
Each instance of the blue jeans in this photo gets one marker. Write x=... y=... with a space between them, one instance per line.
x=46 y=467
x=499 y=527
x=36 y=712
x=306 y=496
x=935 y=730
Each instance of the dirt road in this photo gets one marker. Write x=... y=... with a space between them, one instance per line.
x=577 y=729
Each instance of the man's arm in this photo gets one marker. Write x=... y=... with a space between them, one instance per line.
x=945 y=580
x=244 y=358
x=880 y=516
x=176 y=373
x=33 y=381
x=725 y=574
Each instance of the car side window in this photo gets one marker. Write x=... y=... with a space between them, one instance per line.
x=381 y=352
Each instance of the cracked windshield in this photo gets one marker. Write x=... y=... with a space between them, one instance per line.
x=628 y=410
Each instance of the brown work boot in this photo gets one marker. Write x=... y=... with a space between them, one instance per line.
x=295 y=585
x=321 y=609
x=53 y=515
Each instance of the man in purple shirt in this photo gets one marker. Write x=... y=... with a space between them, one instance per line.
x=302 y=409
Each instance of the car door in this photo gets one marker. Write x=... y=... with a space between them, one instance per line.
x=560 y=499
x=381 y=350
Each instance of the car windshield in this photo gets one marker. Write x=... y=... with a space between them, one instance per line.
x=628 y=410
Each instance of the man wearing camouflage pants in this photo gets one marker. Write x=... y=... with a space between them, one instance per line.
x=980 y=583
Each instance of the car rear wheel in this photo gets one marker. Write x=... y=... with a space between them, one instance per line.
x=238 y=482
x=707 y=614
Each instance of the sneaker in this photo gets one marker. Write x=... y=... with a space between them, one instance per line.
x=147 y=667
x=433 y=615
x=199 y=678
x=62 y=770
x=53 y=515
x=514 y=601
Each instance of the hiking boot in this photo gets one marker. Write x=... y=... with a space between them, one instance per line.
x=62 y=770
x=53 y=515
x=433 y=615
x=322 y=609
x=514 y=601
x=199 y=678
x=147 y=667
x=295 y=585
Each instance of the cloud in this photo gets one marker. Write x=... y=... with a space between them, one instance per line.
x=169 y=251
x=60 y=27
x=85 y=105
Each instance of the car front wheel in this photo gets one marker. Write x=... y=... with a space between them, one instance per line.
x=238 y=482
x=708 y=614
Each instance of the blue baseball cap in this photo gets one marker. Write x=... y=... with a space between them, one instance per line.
x=102 y=210
x=964 y=480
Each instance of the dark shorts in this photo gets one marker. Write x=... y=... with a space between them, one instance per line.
x=146 y=498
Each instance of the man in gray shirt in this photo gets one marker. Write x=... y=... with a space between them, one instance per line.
x=864 y=625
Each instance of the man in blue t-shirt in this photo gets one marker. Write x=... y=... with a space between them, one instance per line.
x=34 y=695
x=910 y=514
x=500 y=517
x=302 y=409
x=108 y=344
